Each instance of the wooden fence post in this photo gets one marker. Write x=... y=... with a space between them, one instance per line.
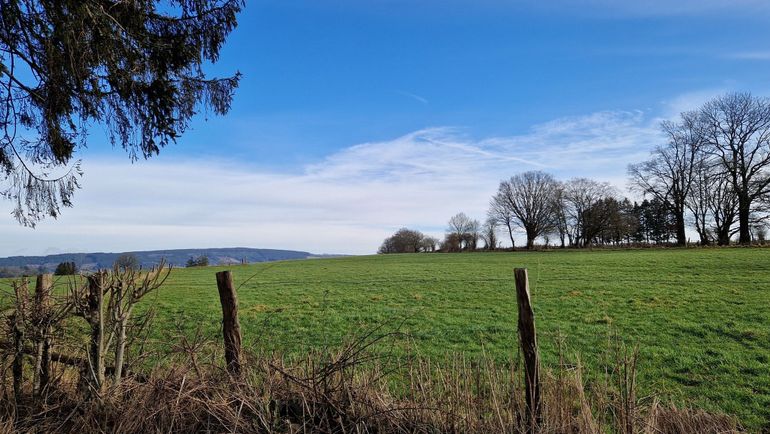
x=231 y=329
x=42 y=307
x=529 y=348
x=18 y=356
x=96 y=286
x=17 y=323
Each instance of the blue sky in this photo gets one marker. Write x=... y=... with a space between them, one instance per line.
x=319 y=76
x=355 y=118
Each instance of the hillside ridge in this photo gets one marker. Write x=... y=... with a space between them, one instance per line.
x=148 y=258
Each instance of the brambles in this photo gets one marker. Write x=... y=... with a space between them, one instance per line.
x=105 y=300
x=354 y=390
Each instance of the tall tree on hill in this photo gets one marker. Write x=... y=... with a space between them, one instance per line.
x=736 y=130
x=619 y=222
x=403 y=241
x=598 y=220
x=580 y=195
x=560 y=219
x=66 y=269
x=529 y=198
x=698 y=202
x=669 y=174
x=502 y=215
x=713 y=204
x=489 y=234
x=133 y=67
x=660 y=221
x=127 y=262
x=463 y=231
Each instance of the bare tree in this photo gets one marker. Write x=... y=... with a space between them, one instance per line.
x=127 y=261
x=88 y=302
x=668 y=175
x=403 y=241
x=429 y=244
x=127 y=287
x=560 y=222
x=529 y=198
x=698 y=202
x=107 y=301
x=760 y=233
x=580 y=196
x=451 y=243
x=489 y=234
x=464 y=230
x=713 y=203
x=472 y=235
x=503 y=216
x=736 y=128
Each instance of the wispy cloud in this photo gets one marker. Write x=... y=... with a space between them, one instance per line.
x=346 y=203
x=413 y=96
x=652 y=8
x=692 y=100
x=750 y=55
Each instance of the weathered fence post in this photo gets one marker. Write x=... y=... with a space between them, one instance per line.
x=529 y=348
x=96 y=287
x=231 y=329
x=17 y=324
x=18 y=356
x=42 y=309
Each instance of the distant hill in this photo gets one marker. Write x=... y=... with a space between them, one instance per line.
x=178 y=257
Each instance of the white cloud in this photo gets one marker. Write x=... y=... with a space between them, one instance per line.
x=750 y=55
x=413 y=96
x=346 y=203
x=692 y=100
x=648 y=8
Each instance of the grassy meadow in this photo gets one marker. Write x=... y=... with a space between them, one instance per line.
x=701 y=317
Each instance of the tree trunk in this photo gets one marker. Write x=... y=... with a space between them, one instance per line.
x=704 y=238
x=120 y=349
x=530 y=241
x=21 y=292
x=510 y=234
x=723 y=236
x=45 y=368
x=42 y=371
x=744 y=209
x=18 y=356
x=96 y=321
x=681 y=236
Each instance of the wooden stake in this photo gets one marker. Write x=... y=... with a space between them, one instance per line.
x=18 y=356
x=96 y=287
x=528 y=339
x=231 y=329
x=42 y=372
x=17 y=323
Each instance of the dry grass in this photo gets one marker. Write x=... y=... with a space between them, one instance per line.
x=353 y=391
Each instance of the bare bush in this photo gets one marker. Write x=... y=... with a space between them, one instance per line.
x=357 y=389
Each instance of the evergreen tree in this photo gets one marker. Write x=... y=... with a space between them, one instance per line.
x=66 y=269
x=134 y=68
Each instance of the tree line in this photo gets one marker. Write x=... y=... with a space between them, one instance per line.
x=124 y=262
x=711 y=174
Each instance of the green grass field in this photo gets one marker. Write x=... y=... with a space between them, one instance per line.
x=701 y=318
